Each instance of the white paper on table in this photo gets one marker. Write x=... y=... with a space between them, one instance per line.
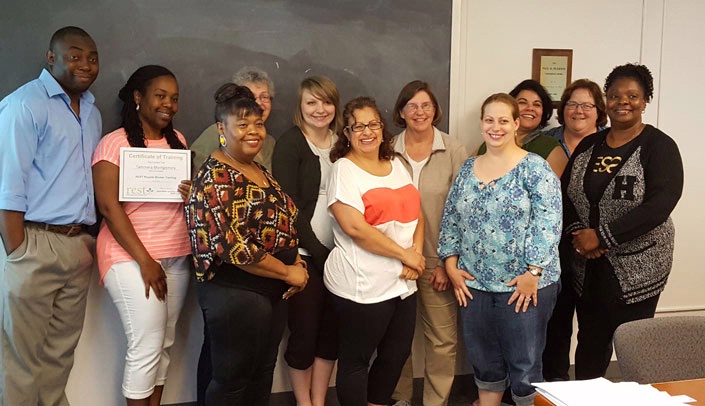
x=603 y=392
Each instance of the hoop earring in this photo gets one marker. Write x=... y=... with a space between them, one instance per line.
x=222 y=140
x=137 y=108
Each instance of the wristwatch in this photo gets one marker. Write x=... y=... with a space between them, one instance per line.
x=534 y=270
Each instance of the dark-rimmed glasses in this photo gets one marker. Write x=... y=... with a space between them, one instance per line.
x=359 y=127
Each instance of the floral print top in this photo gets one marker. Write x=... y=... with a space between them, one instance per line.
x=231 y=219
x=497 y=229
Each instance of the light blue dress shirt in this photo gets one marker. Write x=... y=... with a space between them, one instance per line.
x=45 y=153
x=498 y=229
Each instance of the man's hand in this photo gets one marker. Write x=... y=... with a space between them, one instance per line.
x=11 y=229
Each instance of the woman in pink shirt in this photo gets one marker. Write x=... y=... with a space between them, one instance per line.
x=142 y=247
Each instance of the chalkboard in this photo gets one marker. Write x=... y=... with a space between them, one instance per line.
x=368 y=47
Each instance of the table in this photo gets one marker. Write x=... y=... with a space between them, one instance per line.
x=695 y=388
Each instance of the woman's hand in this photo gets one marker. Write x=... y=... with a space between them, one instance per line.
x=154 y=277
x=457 y=279
x=291 y=292
x=414 y=259
x=585 y=240
x=408 y=273
x=527 y=287
x=297 y=276
x=184 y=189
x=439 y=279
x=596 y=253
x=296 y=289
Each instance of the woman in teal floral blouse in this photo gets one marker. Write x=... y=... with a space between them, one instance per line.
x=499 y=239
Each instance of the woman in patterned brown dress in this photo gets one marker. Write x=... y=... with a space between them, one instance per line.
x=243 y=238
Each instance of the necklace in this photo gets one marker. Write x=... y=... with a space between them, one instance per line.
x=240 y=166
x=622 y=140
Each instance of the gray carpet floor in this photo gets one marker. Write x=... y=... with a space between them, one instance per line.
x=464 y=392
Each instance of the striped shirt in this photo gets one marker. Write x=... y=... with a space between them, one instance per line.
x=160 y=226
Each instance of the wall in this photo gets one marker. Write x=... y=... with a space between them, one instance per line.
x=491 y=52
x=368 y=48
x=682 y=86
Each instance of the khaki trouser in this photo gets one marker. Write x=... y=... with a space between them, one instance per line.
x=439 y=312
x=43 y=287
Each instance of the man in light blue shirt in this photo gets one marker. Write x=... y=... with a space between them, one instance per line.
x=48 y=130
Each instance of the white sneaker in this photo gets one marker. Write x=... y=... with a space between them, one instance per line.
x=402 y=403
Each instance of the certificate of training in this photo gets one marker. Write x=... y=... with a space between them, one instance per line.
x=153 y=174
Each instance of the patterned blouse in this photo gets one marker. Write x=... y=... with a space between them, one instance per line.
x=231 y=219
x=499 y=228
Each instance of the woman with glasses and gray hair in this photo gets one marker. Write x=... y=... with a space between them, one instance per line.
x=433 y=159
x=372 y=269
x=262 y=87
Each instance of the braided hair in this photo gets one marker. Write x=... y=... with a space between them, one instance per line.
x=139 y=81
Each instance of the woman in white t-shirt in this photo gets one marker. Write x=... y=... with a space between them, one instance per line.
x=377 y=257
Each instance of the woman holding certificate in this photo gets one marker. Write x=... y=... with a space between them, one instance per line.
x=142 y=247
x=243 y=237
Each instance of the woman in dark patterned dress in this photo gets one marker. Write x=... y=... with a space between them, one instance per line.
x=243 y=238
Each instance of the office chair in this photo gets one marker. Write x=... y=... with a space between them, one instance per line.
x=661 y=349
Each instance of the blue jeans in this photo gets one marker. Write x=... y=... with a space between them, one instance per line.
x=505 y=347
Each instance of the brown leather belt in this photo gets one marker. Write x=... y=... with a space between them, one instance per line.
x=69 y=230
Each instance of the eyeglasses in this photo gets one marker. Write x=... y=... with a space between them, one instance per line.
x=411 y=108
x=359 y=127
x=264 y=98
x=571 y=105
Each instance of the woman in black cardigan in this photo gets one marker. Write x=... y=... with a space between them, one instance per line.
x=619 y=189
x=301 y=164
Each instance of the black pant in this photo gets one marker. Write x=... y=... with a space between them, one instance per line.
x=245 y=329
x=313 y=328
x=600 y=311
x=556 y=355
x=387 y=327
x=205 y=368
